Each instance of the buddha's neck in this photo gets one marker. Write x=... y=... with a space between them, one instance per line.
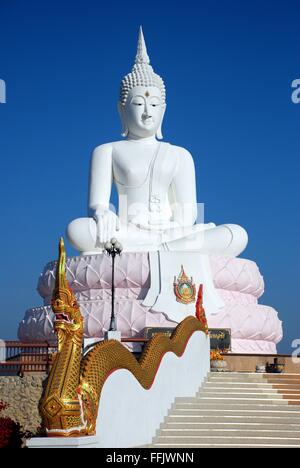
x=149 y=140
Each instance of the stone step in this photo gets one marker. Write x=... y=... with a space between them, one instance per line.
x=247 y=391
x=219 y=397
x=287 y=391
x=229 y=390
x=238 y=411
x=284 y=386
x=295 y=398
x=238 y=386
x=277 y=399
x=290 y=382
x=272 y=408
x=234 y=403
x=290 y=396
x=236 y=378
x=241 y=385
x=242 y=395
x=199 y=433
x=239 y=426
x=268 y=393
x=263 y=382
x=238 y=403
x=260 y=382
x=197 y=441
x=229 y=418
x=240 y=375
x=283 y=376
x=225 y=376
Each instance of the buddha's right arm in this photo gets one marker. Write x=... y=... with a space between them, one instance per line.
x=100 y=179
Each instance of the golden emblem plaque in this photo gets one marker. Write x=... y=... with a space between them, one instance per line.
x=184 y=288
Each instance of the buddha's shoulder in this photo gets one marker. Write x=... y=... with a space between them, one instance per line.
x=111 y=146
x=180 y=151
x=102 y=149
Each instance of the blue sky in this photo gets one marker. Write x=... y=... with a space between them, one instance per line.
x=228 y=68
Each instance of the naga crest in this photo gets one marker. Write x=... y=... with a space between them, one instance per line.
x=64 y=304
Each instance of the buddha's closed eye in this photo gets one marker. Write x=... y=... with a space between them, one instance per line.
x=138 y=101
x=154 y=102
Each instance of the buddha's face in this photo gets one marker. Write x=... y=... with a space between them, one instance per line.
x=143 y=112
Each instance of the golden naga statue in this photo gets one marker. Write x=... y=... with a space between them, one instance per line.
x=69 y=406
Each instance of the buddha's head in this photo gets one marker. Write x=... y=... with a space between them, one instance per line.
x=142 y=101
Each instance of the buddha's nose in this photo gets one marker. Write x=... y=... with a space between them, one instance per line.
x=146 y=116
x=147 y=113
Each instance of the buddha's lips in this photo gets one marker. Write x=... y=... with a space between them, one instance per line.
x=148 y=121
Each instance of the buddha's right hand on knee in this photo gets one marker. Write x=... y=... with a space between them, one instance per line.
x=107 y=224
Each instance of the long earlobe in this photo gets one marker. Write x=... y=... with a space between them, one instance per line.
x=159 y=134
x=125 y=129
x=124 y=132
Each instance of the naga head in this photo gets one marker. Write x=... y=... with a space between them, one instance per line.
x=64 y=304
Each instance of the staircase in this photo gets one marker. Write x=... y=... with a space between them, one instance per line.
x=236 y=410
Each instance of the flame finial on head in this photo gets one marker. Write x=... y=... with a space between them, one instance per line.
x=142 y=73
x=142 y=55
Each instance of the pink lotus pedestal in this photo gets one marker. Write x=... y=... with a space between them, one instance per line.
x=255 y=328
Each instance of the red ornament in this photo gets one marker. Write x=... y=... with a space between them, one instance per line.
x=200 y=311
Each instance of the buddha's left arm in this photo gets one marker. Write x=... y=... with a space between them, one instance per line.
x=182 y=192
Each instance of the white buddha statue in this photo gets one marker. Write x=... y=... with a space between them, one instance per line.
x=155 y=181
